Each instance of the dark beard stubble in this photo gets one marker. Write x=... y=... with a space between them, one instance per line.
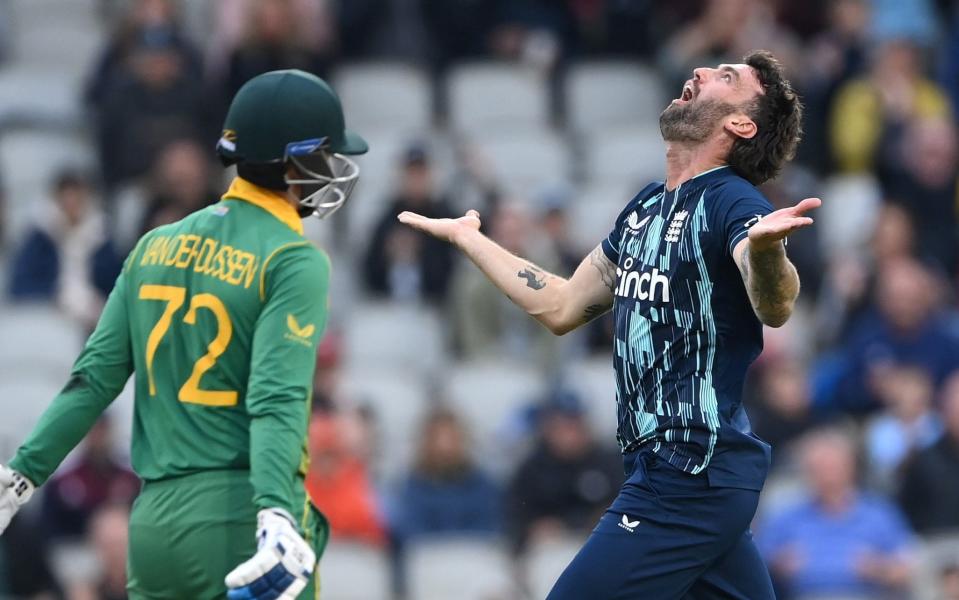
x=692 y=122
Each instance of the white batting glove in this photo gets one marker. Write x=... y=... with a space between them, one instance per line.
x=15 y=491
x=282 y=566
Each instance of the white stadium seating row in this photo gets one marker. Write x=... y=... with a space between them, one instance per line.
x=439 y=569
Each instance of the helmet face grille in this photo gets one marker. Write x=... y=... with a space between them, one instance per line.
x=324 y=180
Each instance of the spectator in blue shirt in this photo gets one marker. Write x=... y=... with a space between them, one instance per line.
x=840 y=541
x=65 y=256
x=907 y=425
x=445 y=492
x=908 y=325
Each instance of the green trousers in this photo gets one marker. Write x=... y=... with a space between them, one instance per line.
x=187 y=533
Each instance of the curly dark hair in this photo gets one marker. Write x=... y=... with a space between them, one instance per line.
x=777 y=113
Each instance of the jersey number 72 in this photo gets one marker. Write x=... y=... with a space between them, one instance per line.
x=175 y=296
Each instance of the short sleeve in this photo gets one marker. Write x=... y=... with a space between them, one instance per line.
x=610 y=245
x=738 y=206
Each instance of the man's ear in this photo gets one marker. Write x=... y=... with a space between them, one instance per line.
x=740 y=125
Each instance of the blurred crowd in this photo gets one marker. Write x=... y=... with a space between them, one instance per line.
x=858 y=394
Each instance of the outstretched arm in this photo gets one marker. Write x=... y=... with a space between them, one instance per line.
x=771 y=280
x=561 y=305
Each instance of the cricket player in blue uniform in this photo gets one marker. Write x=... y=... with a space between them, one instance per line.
x=692 y=269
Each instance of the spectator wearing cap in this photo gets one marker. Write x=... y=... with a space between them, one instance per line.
x=566 y=481
x=839 y=541
x=929 y=490
x=64 y=258
x=158 y=100
x=400 y=264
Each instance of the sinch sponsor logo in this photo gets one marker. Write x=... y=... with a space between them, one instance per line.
x=641 y=285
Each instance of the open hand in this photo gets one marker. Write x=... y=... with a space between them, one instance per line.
x=775 y=226
x=448 y=230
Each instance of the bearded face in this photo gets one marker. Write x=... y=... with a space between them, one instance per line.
x=693 y=120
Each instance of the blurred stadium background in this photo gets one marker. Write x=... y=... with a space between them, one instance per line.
x=459 y=451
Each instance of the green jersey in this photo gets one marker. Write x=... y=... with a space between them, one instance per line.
x=219 y=316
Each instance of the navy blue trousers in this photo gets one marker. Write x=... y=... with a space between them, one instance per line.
x=669 y=535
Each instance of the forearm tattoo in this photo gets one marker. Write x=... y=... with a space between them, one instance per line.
x=592 y=311
x=533 y=276
x=606 y=268
x=771 y=282
x=745 y=266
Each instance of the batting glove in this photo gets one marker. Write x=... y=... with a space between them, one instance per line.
x=282 y=566
x=15 y=491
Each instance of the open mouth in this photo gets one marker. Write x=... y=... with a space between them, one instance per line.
x=687 y=94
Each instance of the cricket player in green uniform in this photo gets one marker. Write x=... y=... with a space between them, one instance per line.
x=219 y=316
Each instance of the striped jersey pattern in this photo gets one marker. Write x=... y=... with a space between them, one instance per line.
x=685 y=331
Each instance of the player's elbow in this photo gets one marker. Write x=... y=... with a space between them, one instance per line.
x=561 y=329
x=556 y=321
x=775 y=316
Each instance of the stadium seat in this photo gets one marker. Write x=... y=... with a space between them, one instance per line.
x=497 y=96
x=65 y=36
x=594 y=209
x=385 y=97
x=635 y=156
x=46 y=97
x=850 y=204
x=120 y=413
x=461 y=568
x=935 y=552
x=594 y=380
x=545 y=561
x=386 y=333
x=491 y=395
x=350 y=571
x=610 y=95
x=24 y=400
x=399 y=399
x=38 y=341
x=527 y=161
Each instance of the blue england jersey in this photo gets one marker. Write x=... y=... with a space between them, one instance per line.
x=685 y=331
